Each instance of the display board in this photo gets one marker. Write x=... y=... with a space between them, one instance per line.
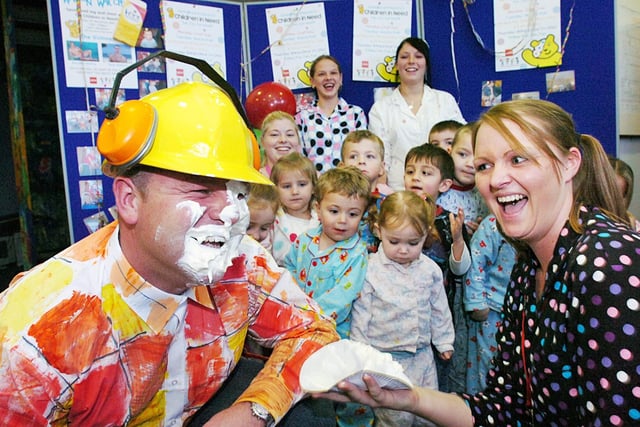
x=589 y=53
x=88 y=191
x=461 y=60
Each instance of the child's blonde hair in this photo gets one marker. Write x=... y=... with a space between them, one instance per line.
x=467 y=129
x=356 y=136
x=406 y=206
x=346 y=180
x=294 y=162
x=261 y=195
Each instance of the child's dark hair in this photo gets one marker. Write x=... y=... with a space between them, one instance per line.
x=444 y=125
x=435 y=155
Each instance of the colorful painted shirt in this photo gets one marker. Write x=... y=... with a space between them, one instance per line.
x=87 y=341
x=286 y=229
x=402 y=308
x=322 y=136
x=580 y=363
x=333 y=277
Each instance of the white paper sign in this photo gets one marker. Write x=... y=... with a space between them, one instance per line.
x=527 y=34
x=196 y=31
x=378 y=29
x=297 y=36
x=92 y=57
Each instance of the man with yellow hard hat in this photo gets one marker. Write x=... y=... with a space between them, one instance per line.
x=142 y=321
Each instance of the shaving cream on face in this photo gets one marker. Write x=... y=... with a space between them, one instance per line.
x=209 y=249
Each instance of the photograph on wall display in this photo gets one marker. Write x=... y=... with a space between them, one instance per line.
x=89 y=161
x=148 y=86
x=150 y=38
x=91 y=195
x=81 y=121
x=96 y=221
x=526 y=95
x=561 y=81
x=491 y=93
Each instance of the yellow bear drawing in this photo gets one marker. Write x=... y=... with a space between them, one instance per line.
x=543 y=53
x=387 y=70
x=303 y=73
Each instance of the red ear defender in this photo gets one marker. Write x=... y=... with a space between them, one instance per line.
x=127 y=134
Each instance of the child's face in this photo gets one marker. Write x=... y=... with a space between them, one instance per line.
x=261 y=220
x=365 y=155
x=340 y=217
x=279 y=139
x=442 y=139
x=295 y=191
x=401 y=244
x=424 y=179
x=462 y=154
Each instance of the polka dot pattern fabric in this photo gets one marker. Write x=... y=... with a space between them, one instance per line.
x=576 y=347
x=322 y=136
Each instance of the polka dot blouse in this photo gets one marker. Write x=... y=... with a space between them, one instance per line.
x=572 y=356
x=322 y=136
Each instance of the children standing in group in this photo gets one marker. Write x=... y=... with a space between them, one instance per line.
x=279 y=137
x=442 y=134
x=429 y=172
x=492 y=259
x=365 y=150
x=295 y=178
x=402 y=309
x=263 y=205
x=330 y=261
x=463 y=193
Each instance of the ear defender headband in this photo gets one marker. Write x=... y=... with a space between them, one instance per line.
x=128 y=131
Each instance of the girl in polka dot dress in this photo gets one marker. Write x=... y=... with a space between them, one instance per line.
x=329 y=118
x=568 y=347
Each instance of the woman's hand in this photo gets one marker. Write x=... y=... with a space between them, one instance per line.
x=374 y=396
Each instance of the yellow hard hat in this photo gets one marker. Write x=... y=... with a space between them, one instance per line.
x=193 y=128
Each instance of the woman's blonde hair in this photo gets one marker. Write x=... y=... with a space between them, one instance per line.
x=549 y=127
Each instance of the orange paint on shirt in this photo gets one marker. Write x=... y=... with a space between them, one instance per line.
x=72 y=352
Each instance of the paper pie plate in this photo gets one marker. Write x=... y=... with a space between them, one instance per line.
x=349 y=360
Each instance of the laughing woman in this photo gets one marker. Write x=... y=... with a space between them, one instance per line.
x=326 y=122
x=568 y=349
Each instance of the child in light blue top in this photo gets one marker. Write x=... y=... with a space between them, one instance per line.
x=492 y=259
x=330 y=261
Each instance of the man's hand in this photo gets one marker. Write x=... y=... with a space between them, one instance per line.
x=239 y=415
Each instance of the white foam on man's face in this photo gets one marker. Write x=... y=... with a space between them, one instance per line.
x=209 y=249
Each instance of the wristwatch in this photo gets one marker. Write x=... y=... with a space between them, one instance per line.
x=261 y=412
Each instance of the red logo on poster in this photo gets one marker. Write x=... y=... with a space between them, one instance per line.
x=365 y=64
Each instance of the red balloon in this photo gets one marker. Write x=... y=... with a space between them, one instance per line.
x=266 y=98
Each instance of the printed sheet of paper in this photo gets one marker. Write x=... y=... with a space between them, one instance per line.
x=297 y=36
x=196 y=31
x=527 y=34
x=378 y=28
x=92 y=57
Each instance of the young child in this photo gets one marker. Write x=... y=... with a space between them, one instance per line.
x=330 y=261
x=429 y=172
x=402 y=309
x=442 y=134
x=295 y=178
x=279 y=137
x=492 y=259
x=365 y=150
x=263 y=205
x=463 y=193
x=624 y=178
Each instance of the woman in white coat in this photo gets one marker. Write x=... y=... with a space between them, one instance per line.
x=404 y=118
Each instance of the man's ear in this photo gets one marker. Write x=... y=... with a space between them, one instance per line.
x=445 y=185
x=127 y=198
